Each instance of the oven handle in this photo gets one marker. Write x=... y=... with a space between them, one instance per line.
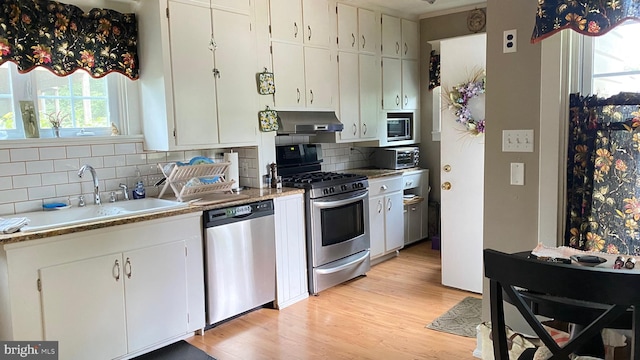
x=343 y=266
x=339 y=201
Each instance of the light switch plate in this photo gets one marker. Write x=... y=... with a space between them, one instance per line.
x=517 y=140
x=517 y=174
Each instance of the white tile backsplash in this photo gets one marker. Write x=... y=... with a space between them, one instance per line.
x=41 y=192
x=102 y=150
x=13 y=168
x=6 y=183
x=53 y=178
x=80 y=151
x=24 y=154
x=4 y=156
x=50 y=153
x=39 y=167
x=26 y=181
x=13 y=195
x=125 y=148
x=66 y=164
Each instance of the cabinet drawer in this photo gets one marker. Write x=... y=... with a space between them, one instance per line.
x=385 y=185
x=410 y=181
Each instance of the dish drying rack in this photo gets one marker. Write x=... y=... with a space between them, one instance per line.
x=179 y=176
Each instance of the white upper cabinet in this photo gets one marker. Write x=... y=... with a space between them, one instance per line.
x=410 y=35
x=198 y=87
x=347 y=27
x=391 y=36
x=300 y=21
x=369 y=95
x=319 y=77
x=243 y=6
x=369 y=31
x=349 y=87
x=288 y=68
x=286 y=20
x=410 y=86
x=391 y=83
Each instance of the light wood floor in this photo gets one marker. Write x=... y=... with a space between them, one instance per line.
x=380 y=316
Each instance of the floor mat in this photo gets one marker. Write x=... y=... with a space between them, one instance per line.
x=462 y=319
x=181 y=350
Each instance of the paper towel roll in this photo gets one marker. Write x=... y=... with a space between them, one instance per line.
x=232 y=172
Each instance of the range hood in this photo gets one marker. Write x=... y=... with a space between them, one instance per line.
x=308 y=122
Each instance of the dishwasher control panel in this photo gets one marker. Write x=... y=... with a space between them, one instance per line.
x=237 y=211
x=222 y=216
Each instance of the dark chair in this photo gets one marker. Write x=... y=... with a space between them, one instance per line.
x=596 y=298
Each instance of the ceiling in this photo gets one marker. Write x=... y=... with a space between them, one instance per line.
x=422 y=8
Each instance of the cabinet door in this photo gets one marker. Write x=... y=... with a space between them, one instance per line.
x=319 y=78
x=376 y=225
x=410 y=78
x=347 y=27
x=83 y=307
x=391 y=83
x=235 y=60
x=348 y=84
x=391 y=36
x=155 y=283
x=238 y=5
x=394 y=221
x=315 y=16
x=194 y=92
x=414 y=215
x=286 y=20
x=288 y=68
x=410 y=46
x=369 y=31
x=369 y=95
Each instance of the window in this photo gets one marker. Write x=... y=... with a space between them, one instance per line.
x=614 y=64
x=83 y=104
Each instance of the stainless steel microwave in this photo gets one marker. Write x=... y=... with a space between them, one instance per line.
x=399 y=129
x=397 y=158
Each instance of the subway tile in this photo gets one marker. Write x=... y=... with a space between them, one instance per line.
x=41 y=192
x=6 y=183
x=7 y=210
x=251 y=153
x=13 y=168
x=126 y=172
x=137 y=159
x=106 y=173
x=79 y=151
x=175 y=156
x=156 y=157
x=102 y=150
x=39 y=167
x=125 y=149
x=55 y=178
x=114 y=161
x=25 y=154
x=28 y=206
x=96 y=162
x=4 y=156
x=139 y=148
x=25 y=181
x=13 y=195
x=53 y=152
x=66 y=164
x=68 y=189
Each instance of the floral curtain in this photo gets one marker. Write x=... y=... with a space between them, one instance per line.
x=603 y=179
x=588 y=17
x=63 y=38
x=434 y=70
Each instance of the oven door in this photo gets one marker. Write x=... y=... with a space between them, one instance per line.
x=339 y=226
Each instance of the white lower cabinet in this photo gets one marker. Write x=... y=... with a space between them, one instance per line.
x=291 y=254
x=386 y=215
x=108 y=293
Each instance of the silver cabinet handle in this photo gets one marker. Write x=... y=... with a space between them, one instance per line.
x=389 y=205
x=127 y=268
x=353 y=40
x=384 y=187
x=295 y=29
x=397 y=47
x=406 y=48
x=355 y=129
x=398 y=100
x=379 y=206
x=406 y=100
x=116 y=270
x=364 y=129
x=364 y=41
x=311 y=93
x=298 y=91
x=309 y=27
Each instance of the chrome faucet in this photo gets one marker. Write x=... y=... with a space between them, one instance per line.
x=125 y=191
x=96 y=190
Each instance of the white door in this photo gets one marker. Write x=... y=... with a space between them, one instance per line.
x=286 y=20
x=391 y=36
x=462 y=204
x=288 y=69
x=83 y=308
x=369 y=95
x=410 y=87
x=319 y=77
x=347 y=27
x=348 y=84
x=235 y=60
x=194 y=93
x=391 y=83
x=156 y=283
x=369 y=30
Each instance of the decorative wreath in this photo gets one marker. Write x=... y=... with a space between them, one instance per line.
x=458 y=98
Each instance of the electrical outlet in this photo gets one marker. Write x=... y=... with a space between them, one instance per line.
x=510 y=41
x=154 y=179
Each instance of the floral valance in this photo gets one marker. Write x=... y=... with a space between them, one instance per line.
x=603 y=174
x=63 y=39
x=588 y=17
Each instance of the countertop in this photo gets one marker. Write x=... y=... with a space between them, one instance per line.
x=377 y=173
x=245 y=196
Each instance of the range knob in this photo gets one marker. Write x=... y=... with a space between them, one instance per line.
x=332 y=190
x=344 y=187
x=325 y=191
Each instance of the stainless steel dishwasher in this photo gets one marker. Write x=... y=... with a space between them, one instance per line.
x=240 y=259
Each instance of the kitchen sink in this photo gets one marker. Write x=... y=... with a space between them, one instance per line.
x=42 y=220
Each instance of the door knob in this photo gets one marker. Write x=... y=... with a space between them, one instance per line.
x=446 y=186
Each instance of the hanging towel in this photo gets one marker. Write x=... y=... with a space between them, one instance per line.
x=8 y=226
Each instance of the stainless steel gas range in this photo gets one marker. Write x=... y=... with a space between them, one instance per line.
x=337 y=216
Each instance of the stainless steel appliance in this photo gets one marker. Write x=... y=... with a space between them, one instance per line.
x=397 y=158
x=399 y=127
x=337 y=216
x=240 y=259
